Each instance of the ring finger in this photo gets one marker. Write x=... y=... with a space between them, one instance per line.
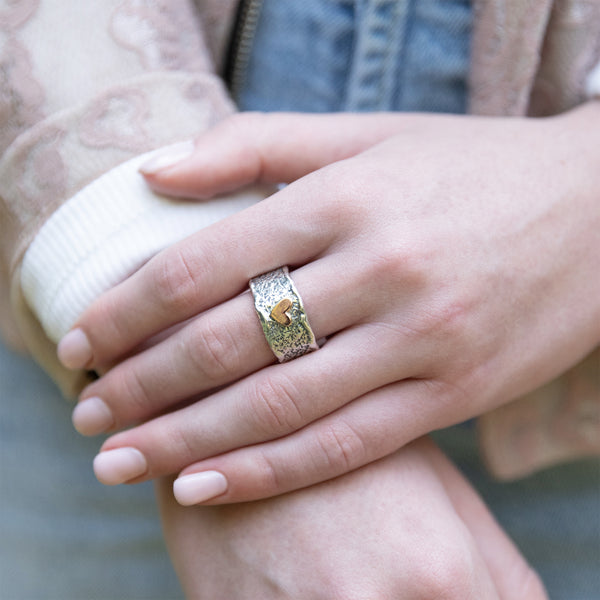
x=217 y=348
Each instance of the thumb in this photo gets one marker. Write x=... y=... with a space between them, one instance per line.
x=268 y=148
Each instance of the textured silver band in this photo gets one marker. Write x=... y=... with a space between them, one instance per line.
x=281 y=314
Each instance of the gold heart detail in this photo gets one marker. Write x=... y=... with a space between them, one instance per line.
x=278 y=312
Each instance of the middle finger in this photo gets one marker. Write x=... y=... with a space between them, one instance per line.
x=217 y=348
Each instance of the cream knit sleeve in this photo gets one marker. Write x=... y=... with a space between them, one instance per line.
x=84 y=88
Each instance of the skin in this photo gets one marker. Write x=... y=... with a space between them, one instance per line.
x=451 y=262
x=412 y=528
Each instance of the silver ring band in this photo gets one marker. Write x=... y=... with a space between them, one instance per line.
x=281 y=314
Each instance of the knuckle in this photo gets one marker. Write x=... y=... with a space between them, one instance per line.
x=393 y=264
x=398 y=264
x=450 y=397
x=136 y=392
x=393 y=268
x=181 y=445
x=339 y=202
x=447 y=330
x=268 y=481
x=104 y=327
x=447 y=319
x=214 y=350
x=450 y=574
x=176 y=282
x=275 y=406
x=341 y=447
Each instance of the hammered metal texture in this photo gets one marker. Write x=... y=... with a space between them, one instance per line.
x=286 y=341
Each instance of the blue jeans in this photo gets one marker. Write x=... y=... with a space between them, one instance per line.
x=413 y=55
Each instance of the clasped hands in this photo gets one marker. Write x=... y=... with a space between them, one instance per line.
x=436 y=254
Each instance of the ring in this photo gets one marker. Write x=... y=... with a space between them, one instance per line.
x=281 y=314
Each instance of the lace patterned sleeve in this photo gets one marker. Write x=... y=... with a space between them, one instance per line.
x=85 y=87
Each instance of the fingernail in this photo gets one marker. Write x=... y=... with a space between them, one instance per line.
x=199 y=487
x=118 y=466
x=92 y=416
x=167 y=157
x=74 y=350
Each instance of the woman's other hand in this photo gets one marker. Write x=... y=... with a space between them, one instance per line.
x=407 y=526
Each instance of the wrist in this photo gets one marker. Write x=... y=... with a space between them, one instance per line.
x=581 y=126
x=578 y=140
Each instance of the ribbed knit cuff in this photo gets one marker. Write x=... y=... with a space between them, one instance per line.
x=103 y=234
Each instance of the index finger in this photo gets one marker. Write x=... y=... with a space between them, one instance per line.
x=195 y=274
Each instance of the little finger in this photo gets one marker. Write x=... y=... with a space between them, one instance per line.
x=274 y=402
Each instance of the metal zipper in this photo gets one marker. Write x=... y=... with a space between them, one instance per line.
x=240 y=48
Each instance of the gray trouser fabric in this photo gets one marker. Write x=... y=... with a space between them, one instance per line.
x=63 y=535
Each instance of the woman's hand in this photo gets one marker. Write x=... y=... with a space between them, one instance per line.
x=452 y=267
x=408 y=526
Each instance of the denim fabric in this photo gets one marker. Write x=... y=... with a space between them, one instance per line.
x=413 y=55
x=359 y=55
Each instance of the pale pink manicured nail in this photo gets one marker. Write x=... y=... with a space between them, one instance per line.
x=75 y=350
x=92 y=416
x=118 y=466
x=167 y=157
x=199 y=487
